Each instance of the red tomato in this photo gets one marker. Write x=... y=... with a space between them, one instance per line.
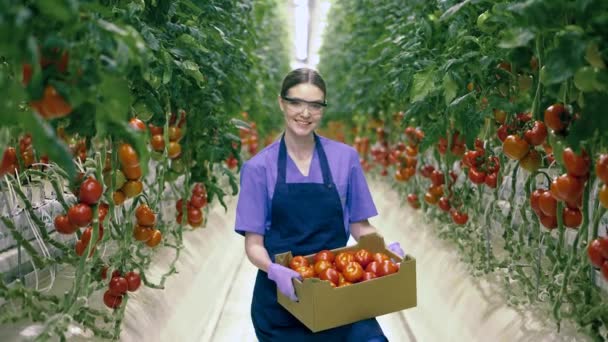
x=601 y=168
x=568 y=187
x=145 y=216
x=444 y=204
x=459 y=217
x=387 y=267
x=368 y=276
x=430 y=198
x=363 y=257
x=80 y=215
x=572 y=217
x=534 y=200
x=576 y=165
x=155 y=130
x=476 y=176
x=380 y=257
x=90 y=191
x=427 y=170
x=9 y=161
x=142 y=233
x=52 y=105
x=298 y=261
x=306 y=271
x=199 y=190
x=321 y=265
x=103 y=209
x=195 y=216
x=111 y=301
x=157 y=142
x=353 y=272
x=342 y=260
x=137 y=124
x=373 y=267
x=502 y=132
x=549 y=222
x=331 y=275
x=127 y=155
x=437 y=178
x=547 y=204
x=531 y=162
x=537 y=134
x=515 y=147
x=118 y=286
x=198 y=202
x=155 y=238
x=64 y=226
x=413 y=201
x=133 y=172
x=324 y=255
x=595 y=252
x=104 y=272
x=133 y=281
x=557 y=117
x=491 y=180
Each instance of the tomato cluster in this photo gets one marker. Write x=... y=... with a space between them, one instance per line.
x=249 y=136
x=482 y=165
x=232 y=162
x=198 y=200
x=601 y=171
x=144 y=230
x=118 y=286
x=10 y=162
x=405 y=156
x=345 y=268
x=597 y=251
x=458 y=145
x=519 y=139
x=130 y=174
x=157 y=139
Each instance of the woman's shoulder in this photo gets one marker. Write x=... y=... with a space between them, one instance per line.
x=338 y=149
x=267 y=156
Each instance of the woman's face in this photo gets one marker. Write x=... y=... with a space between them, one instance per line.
x=302 y=113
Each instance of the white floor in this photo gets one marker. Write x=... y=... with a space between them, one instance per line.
x=209 y=299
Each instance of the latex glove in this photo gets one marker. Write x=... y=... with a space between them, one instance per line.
x=395 y=247
x=283 y=276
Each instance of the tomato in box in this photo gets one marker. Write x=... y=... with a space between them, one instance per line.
x=368 y=276
x=363 y=257
x=342 y=260
x=325 y=255
x=353 y=272
x=373 y=267
x=306 y=271
x=331 y=275
x=321 y=266
x=298 y=261
x=380 y=257
x=387 y=267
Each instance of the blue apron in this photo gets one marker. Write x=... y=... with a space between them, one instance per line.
x=306 y=218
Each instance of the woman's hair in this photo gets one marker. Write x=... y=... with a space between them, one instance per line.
x=302 y=75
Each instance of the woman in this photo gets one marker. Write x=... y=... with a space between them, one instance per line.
x=302 y=194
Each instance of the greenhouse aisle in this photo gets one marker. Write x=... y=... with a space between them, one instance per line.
x=212 y=302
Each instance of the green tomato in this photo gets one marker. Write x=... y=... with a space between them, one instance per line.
x=141 y=110
x=119 y=181
x=158 y=156
x=171 y=176
x=593 y=56
x=483 y=24
x=584 y=79
x=178 y=165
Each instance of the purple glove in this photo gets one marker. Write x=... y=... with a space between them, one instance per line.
x=283 y=276
x=395 y=247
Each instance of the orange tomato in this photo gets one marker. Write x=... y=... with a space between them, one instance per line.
x=132 y=188
x=175 y=149
x=141 y=233
x=127 y=155
x=155 y=238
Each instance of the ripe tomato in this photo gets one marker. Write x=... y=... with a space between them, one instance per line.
x=52 y=105
x=344 y=283
x=324 y=255
x=127 y=155
x=387 y=267
x=118 y=286
x=198 y=202
x=195 y=216
x=379 y=257
x=132 y=188
x=111 y=301
x=133 y=281
x=90 y=191
x=491 y=180
x=476 y=176
x=85 y=238
x=515 y=147
x=603 y=196
x=437 y=178
x=353 y=272
x=9 y=161
x=64 y=226
x=321 y=266
x=145 y=216
x=458 y=150
x=549 y=222
x=132 y=172
x=557 y=117
x=537 y=134
x=531 y=162
x=175 y=149
x=142 y=233
x=199 y=190
x=373 y=267
x=363 y=257
x=306 y=272
x=568 y=187
x=572 y=217
x=413 y=201
x=298 y=261
x=442 y=146
x=459 y=217
x=601 y=168
x=427 y=170
x=155 y=130
x=103 y=209
x=118 y=197
x=534 y=200
x=155 y=238
x=137 y=124
x=368 y=276
x=331 y=275
x=576 y=165
x=595 y=252
x=547 y=204
x=436 y=190
x=502 y=132
x=430 y=198
x=175 y=133
x=444 y=204
x=80 y=215
x=342 y=259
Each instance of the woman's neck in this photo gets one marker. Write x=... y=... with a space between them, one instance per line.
x=300 y=147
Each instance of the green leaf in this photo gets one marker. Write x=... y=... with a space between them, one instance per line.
x=564 y=58
x=191 y=69
x=60 y=10
x=516 y=37
x=422 y=85
x=450 y=87
x=453 y=10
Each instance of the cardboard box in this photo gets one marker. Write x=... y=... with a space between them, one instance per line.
x=322 y=307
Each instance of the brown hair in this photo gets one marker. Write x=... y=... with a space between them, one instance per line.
x=302 y=75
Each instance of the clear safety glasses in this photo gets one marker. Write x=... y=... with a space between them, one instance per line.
x=298 y=105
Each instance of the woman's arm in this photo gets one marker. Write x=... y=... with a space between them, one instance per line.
x=256 y=252
x=358 y=229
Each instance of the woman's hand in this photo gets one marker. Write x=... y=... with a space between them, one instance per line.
x=283 y=276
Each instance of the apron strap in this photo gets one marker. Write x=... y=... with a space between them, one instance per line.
x=282 y=164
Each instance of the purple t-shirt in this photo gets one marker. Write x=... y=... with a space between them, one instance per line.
x=259 y=177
